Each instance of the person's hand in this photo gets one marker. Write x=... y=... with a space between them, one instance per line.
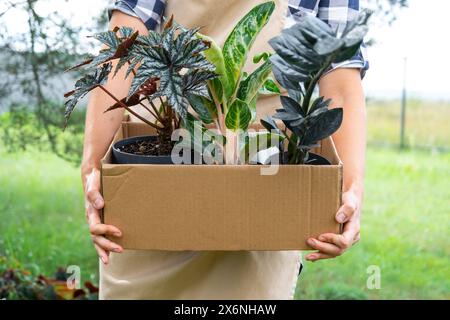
x=330 y=245
x=93 y=204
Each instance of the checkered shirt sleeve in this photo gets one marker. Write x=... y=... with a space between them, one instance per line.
x=337 y=13
x=334 y=12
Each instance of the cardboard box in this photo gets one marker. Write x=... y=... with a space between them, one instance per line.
x=219 y=207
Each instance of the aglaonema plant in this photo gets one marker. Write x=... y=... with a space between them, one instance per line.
x=304 y=53
x=231 y=107
x=168 y=67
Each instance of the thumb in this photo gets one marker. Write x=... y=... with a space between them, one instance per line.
x=348 y=208
x=93 y=194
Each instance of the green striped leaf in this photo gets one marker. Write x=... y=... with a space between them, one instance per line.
x=238 y=116
x=241 y=39
x=249 y=88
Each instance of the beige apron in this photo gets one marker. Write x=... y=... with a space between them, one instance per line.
x=208 y=274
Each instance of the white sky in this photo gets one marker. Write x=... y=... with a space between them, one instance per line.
x=420 y=34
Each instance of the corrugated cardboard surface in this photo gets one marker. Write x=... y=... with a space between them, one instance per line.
x=222 y=207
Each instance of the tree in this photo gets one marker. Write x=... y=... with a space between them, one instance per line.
x=32 y=69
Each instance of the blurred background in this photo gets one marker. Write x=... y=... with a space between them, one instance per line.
x=407 y=205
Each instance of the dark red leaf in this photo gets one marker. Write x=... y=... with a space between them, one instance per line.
x=132 y=101
x=68 y=94
x=91 y=287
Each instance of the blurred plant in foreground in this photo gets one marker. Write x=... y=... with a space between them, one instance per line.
x=18 y=284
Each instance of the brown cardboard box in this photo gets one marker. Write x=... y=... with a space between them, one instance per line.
x=219 y=207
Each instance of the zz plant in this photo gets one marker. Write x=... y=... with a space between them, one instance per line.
x=304 y=53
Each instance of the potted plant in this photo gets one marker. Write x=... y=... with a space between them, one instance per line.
x=231 y=106
x=172 y=67
x=304 y=53
x=188 y=69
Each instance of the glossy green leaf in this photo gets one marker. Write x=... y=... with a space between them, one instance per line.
x=249 y=87
x=269 y=88
x=241 y=39
x=205 y=109
x=214 y=55
x=238 y=116
x=261 y=56
x=252 y=106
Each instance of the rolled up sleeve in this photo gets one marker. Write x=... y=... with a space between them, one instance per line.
x=337 y=14
x=149 y=11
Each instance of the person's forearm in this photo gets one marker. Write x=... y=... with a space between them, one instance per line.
x=100 y=127
x=343 y=86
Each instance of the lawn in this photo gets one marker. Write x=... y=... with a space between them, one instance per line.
x=404 y=232
x=42 y=215
x=405 y=226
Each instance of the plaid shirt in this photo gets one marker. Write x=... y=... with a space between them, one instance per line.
x=334 y=12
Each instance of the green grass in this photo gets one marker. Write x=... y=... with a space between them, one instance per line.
x=43 y=224
x=405 y=226
x=405 y=229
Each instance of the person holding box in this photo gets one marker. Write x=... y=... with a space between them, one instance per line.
x=129 y=274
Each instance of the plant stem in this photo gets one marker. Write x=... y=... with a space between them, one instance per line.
x=218 y=107
x=155 y=113
x=129 y=109
x=150 y=111
x=154 y=108
x=162 y=105
x=312 y=85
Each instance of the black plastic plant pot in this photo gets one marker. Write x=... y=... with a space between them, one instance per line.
x=314 y=159
x=121 y=157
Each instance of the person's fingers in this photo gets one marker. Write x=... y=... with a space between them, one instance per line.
x=106 y=244
x=351 y=231
x=318 y=256
x=336 y=239
x=100 y=229
x=96 y=227
x=92 y=214
x=102 y=254
x=348 y=208
x=324 y=247
x=92 y=191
